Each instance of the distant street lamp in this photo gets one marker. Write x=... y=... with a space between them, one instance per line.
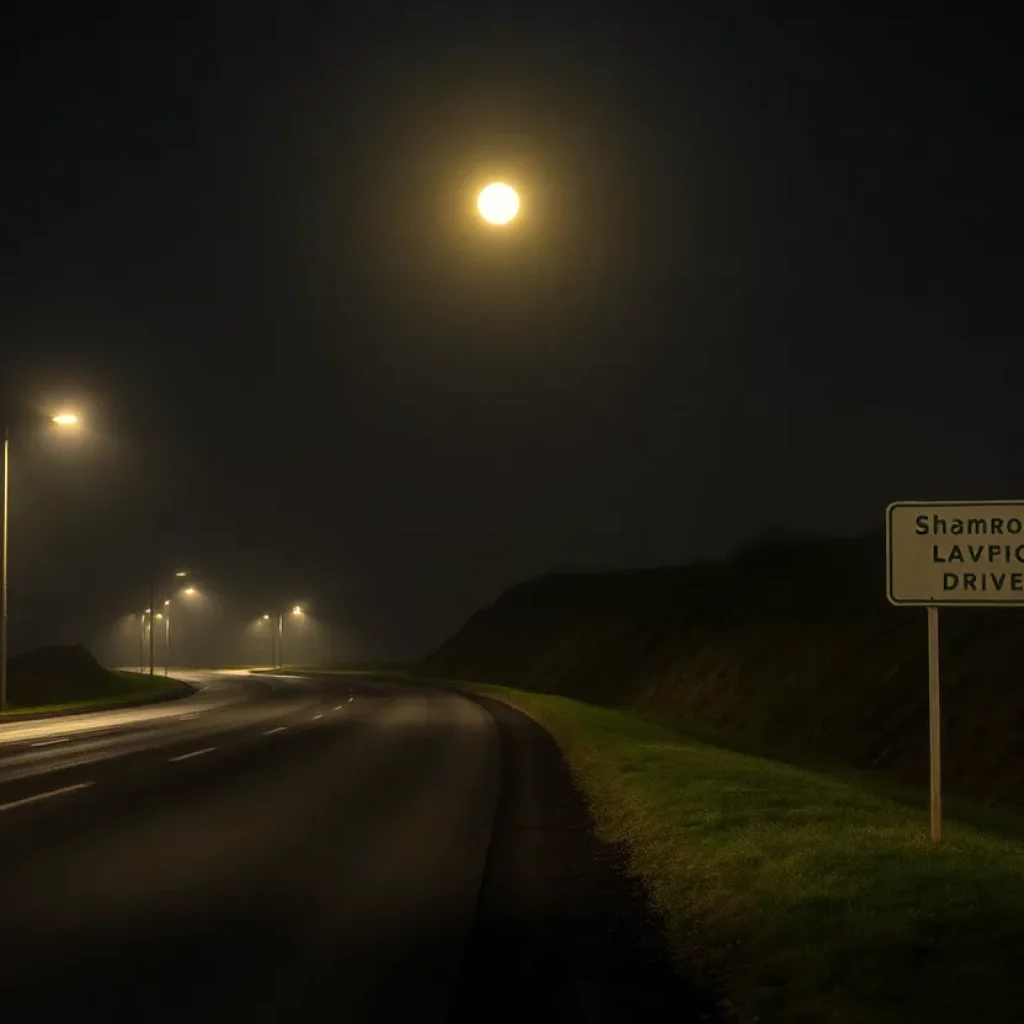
x=277 y=652
x=63 y=420
x=166 y=619
x=167 y=636
x=142 y=641
x=189 y=591
x=264 y=620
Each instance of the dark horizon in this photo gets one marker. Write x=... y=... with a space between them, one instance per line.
x=763 y=281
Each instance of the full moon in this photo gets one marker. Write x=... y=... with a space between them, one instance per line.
x=498 y=203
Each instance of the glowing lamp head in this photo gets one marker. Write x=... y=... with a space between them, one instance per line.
x=180 y=573
x=66 y=419
x=498 y=203
x=297 y=610
x=266 y=618
x=190 y=591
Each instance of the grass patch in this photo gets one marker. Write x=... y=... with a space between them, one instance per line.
x=988 y=815
x=387 y=673
x=811 y=897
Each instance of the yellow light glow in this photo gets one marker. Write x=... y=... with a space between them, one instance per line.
x=66 y=419
x=266 y=616
x=498 y=203
x=167 y=602
x=181 y=572
x=189 y=591
x=296 y=610
x=159 y=615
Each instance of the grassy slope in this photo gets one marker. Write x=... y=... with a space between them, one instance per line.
x=790 y=650
x=810 y=897
x=70 y=679
x=811 y=885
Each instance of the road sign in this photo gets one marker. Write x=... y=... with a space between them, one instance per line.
x=955 y=553
x=951 y=553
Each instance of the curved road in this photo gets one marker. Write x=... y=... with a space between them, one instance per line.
x=285 y=848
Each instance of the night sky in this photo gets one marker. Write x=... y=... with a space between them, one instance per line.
x=766 y=277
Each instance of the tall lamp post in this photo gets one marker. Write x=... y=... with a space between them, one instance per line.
x=297 y=614
x=64 y=419
x=147 y=629
x=300 y=622
x=265 y=620
x=167 y=637
x=278 y=634
x=166 y=617
x=142 y=643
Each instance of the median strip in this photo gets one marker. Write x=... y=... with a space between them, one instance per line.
x=43 y=796
x=191 y=753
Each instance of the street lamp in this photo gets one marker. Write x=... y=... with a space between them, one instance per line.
x=297 y=612
x=142 y=640
x=264 y=619
x=63 y=420
x=166 y=616
x=189 y=591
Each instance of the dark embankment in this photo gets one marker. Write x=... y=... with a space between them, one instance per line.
x=788 y=648
x=69 y=676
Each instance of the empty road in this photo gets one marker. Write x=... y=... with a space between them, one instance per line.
x=326 y=848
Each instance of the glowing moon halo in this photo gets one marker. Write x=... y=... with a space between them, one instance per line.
x=498 y=203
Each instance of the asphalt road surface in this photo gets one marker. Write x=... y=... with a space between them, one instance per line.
x=305 y=849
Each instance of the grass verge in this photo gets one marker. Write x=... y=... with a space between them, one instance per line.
x=122 y=689
x=809 y=897
x=370 y=670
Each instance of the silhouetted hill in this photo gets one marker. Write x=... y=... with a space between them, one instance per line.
x=789 y=646
x=60 y=675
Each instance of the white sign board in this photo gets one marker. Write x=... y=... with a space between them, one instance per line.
x=955 y=553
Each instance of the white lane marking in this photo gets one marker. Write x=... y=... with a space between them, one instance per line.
x=280 y=728
x=48 y=743
x=315 y=717
x=44 y=796
x=338 y=707
x=350 y=700
x=191 y=753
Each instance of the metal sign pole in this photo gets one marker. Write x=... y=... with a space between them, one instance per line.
x=934 y=723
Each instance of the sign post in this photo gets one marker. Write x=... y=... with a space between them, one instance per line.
x=958 y=554
x=934 y=725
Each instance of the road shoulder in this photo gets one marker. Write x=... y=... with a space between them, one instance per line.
x=562 y=931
